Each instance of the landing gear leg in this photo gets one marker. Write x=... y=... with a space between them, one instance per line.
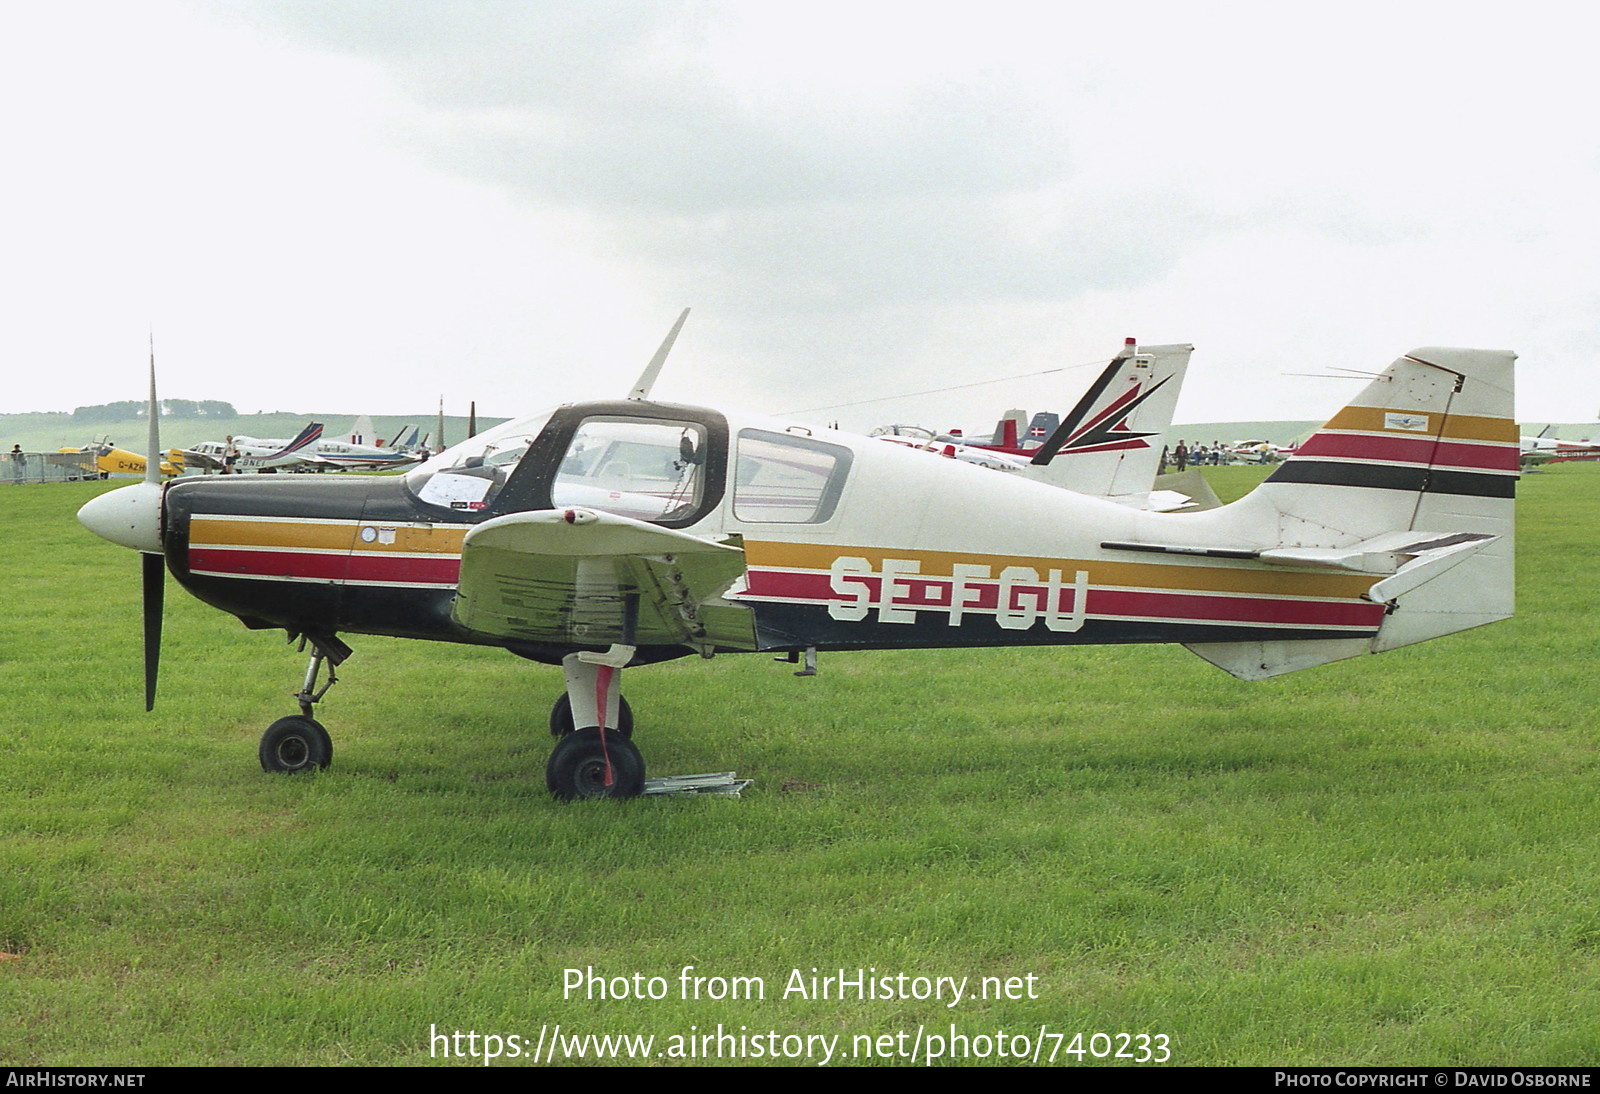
x=309 y=693
x=299 y=743
x=594 y=761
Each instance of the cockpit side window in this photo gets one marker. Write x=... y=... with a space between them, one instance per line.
x=782 y=478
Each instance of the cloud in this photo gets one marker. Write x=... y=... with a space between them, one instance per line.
x=871 y=197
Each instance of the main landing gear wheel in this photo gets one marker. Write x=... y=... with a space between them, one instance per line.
x=577 y=766
x=561 y=717
x=296 y=743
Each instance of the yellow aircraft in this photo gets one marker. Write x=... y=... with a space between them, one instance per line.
x=103 y=459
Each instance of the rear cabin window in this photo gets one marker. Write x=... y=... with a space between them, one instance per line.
x=781 y=478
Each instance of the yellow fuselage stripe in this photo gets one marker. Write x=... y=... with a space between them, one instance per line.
x=1220 y=578
x=324 y=537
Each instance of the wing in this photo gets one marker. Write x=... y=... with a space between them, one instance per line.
x=191 y=458
x=590 y=578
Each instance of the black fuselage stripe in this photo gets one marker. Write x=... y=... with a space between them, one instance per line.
x=1430 y=480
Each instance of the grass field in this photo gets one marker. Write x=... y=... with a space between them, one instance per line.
x=1385 y=861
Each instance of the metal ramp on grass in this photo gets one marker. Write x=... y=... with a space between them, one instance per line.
x=725 y=783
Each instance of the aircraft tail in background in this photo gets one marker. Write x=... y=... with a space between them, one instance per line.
x=361 y=432
x=306 y=439
x=1109 y=444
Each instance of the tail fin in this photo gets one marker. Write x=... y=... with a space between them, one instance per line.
x=1008 y=430
x=1412 y=483
x=361 y=432
x=1041 y=426
x=307 y=438
x=1110 y=444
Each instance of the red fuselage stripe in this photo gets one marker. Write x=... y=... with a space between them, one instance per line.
x=327 y=566
x=933 y=594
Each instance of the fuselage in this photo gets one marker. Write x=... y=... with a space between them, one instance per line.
x=848 y=542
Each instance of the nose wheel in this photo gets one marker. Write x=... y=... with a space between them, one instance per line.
x=299 y=743
x=294 y=744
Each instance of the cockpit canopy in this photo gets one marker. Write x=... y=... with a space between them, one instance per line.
x=647 y=461
x=655 y=462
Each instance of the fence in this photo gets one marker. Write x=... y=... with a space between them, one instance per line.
x=46 y=467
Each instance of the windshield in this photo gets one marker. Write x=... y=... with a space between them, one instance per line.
x=469 y=474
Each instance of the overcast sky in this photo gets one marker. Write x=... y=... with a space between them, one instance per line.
x=359 y=206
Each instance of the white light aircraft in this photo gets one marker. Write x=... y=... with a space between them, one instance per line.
x=309 y=451
x=606 y=535
x=254 y=455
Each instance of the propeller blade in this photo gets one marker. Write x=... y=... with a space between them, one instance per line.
x=152 y=461
x=154 y=575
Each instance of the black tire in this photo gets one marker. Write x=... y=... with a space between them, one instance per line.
x=561 y=717
x=577 y=767
x=295 y=744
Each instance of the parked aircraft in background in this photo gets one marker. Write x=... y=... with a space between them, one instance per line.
x=1109 y=443
x=406 y=438
x=252 y=455
x=1257 y=451
x=104 y=458
x=946 y=446
x=309 y=451
x=361 y=450
x=1543 y=448
x=363 y=457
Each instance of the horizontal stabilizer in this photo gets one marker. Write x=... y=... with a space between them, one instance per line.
x=1191 y=485
x=1408 y=555
x=1396 y=553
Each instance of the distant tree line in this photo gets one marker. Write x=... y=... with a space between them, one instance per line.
x=170 y=408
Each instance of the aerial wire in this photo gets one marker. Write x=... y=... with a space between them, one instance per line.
x=942 y=390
